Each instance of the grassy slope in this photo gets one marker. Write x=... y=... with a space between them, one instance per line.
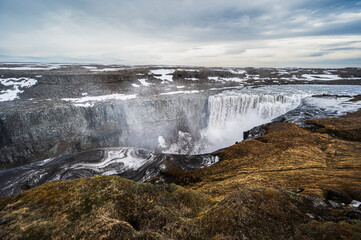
x=289 y=157
x=110 y=207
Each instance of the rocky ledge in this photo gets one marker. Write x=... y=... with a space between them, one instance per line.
x=290 y=183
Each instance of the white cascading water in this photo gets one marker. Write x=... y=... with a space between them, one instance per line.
x=231 y=114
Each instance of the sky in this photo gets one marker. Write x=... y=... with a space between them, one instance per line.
x=237 y=33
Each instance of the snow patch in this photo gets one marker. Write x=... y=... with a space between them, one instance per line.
x=90 y=100
x=179 y=92
x=324 y=77
x=144 y=82
x=96 y=69
x=192 y=79
x=90 y=67
x=232 y=79
x=237 y=71
x=107 y=70
x=188 y=70
x=338 y=105
x=355 y=203
x=166 y=74
x=16 y=83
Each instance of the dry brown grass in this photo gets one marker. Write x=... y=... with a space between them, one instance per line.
x=289 y=157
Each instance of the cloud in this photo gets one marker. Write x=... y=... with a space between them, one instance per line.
x=199 y=32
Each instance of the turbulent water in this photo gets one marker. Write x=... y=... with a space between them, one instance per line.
x=231 y=113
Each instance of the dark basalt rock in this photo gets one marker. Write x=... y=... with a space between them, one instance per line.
x=337 y=195
x=5 y=221
x=353 y=214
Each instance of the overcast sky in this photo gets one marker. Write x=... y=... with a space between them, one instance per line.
x=270 y=33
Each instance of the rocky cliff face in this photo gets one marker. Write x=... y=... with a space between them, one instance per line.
x=43 y=132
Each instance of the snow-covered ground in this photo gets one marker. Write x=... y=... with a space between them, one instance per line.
x=17 y=84
x=107 y=69
x=89 y=101
x=325 y=77
x=237 y=71
x=144 y=82
x=179 y=92
x=232 y=79
x=166 y=74
x=355 y=203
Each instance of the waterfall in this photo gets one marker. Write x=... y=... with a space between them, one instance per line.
x=232 y=113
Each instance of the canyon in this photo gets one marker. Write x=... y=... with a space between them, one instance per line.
x=262 y=150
